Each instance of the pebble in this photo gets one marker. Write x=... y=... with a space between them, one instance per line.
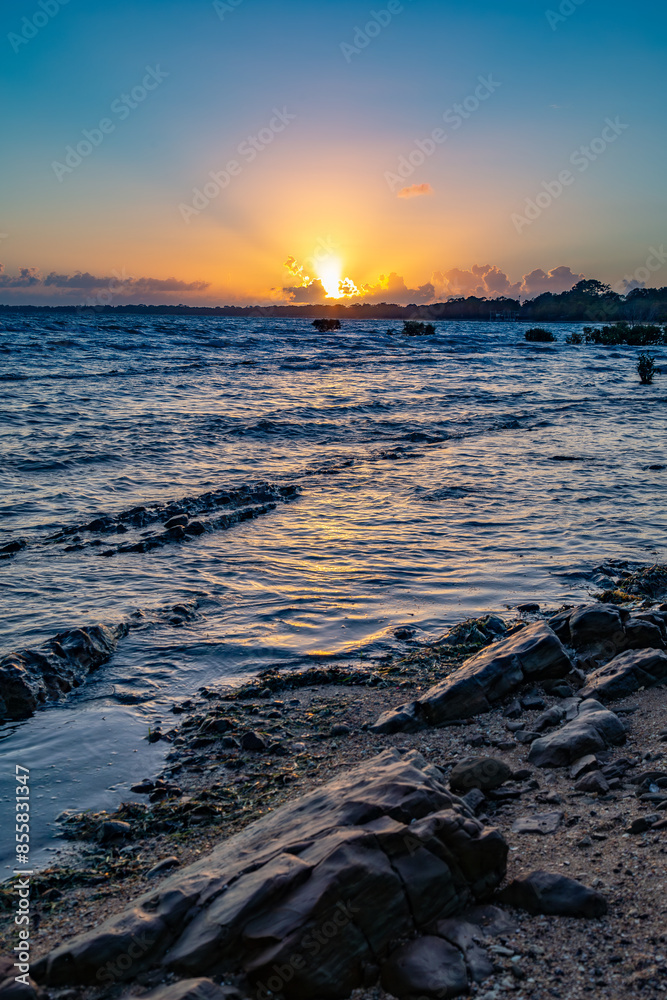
x=594 y=782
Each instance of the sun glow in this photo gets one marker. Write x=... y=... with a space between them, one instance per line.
x=330 y=272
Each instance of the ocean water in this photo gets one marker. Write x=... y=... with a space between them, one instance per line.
x=439 y=478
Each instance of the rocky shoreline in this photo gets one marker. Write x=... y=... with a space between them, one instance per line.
x=500 y=832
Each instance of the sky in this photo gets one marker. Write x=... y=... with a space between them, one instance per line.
x=251 y=152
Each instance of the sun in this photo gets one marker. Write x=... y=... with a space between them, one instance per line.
x=330 y=273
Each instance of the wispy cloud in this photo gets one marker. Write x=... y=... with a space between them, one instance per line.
x=415 y=191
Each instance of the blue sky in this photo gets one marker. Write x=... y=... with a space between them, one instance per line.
x=323 y=178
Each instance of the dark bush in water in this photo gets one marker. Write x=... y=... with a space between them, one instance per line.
x=411 y=328
x=326 y=325
x=539 y=336
x=642 y=335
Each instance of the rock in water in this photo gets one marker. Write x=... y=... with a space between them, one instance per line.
x=595 y=728
x=322 y=888
x=427 y=967
x=554 y=895
x=627 y=673
x=533 y=654
x=31 y=677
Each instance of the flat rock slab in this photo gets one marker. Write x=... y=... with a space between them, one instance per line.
x=535 y=653
x=595 y=728
x=627 y=673
x=554 y=895
x=318 y=890
x=543 y=823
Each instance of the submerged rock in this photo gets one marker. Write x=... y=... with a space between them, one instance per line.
x=324 y=886
x=594 y=729
x=530 y=655
x=31 y=677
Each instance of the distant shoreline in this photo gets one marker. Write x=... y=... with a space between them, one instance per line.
x=650 y=306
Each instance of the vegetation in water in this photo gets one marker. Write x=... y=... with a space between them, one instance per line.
x=412 y=328
x=640 y=335
x=646 y=368
x=326 y=325
x=540 y=336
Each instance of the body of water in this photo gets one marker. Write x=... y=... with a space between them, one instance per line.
x=439 y=478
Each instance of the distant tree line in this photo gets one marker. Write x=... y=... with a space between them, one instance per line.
x=588 y=301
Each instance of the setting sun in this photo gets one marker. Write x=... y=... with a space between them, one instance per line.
x=329 y=272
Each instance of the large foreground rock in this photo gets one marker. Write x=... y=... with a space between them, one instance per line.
x=595 y=728
x=627 y=673
x=309 y=897
x=533 y=654
x=31 y=677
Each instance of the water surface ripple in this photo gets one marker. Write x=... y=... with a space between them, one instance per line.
x=433 y=487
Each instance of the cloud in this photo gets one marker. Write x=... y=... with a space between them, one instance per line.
x=314 y=292
x=77 y=280
x=393 y=288
x=559 y=279
x=167 y=285
x=489 y=281
x=629 y=286
x=415 y=191
x=85 y=281
x=26 y=278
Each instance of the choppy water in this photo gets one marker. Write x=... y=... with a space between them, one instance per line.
x=430 y=492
